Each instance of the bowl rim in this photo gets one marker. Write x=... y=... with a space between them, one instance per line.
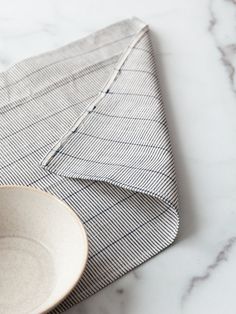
x=63 y=296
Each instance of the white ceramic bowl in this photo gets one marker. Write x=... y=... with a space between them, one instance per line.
x=43 y=250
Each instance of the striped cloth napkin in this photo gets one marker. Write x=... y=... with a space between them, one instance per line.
x=86 y=123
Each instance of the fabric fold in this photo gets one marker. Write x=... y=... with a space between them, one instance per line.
x=121 y=137
x=92 y=130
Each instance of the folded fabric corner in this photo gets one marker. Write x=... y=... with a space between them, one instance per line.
x=121 y=136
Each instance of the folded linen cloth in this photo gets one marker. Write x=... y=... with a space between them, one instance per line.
x=86 y=123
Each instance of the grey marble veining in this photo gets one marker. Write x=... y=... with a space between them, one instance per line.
x=222 y=256
x=225 y=46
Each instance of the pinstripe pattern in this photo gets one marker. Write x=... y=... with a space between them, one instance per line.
x=113 y=163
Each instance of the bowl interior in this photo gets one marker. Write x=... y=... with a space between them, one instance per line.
x=43 y=250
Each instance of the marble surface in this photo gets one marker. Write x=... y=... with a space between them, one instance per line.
x=195 y=43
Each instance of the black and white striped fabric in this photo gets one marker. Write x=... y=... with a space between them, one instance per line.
x=86 y=123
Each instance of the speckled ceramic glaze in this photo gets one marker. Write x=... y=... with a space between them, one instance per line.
x=43 y=250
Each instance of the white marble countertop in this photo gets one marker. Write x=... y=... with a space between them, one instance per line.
x=195 y=42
